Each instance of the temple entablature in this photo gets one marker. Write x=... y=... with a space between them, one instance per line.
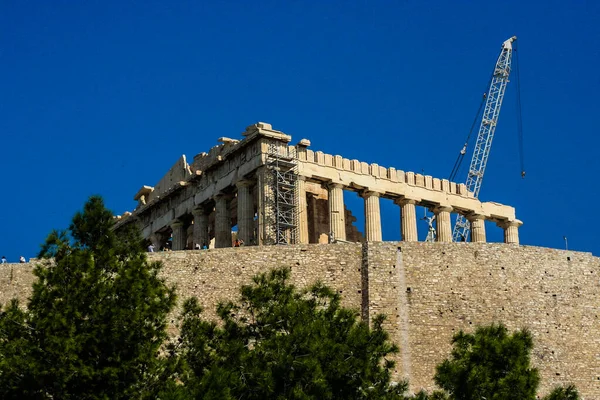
x=275 y=192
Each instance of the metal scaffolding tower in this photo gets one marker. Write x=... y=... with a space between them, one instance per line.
x=281 y=203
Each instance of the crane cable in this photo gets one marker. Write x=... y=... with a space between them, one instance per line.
x=519 y=114
x=463 y=151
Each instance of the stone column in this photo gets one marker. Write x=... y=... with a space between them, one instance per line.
x=156 y=240
x=302 y=211
x=256 y=212
x=511 y=231
x=314 y=234
x=372 y=217
x=179 y=235
x=442 y=224
x=222 y=222
x=477 y=228
x=337 y=217
x=245 y=211
x=200 y=227
x=408 y=225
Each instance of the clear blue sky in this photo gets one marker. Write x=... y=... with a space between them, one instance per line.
x=101 y=97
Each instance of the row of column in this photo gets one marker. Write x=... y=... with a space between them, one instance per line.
x=245 y=218
x=444 y=227
x=408 y=219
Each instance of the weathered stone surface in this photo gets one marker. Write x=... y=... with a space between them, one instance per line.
x=243 y=169
x=428 y=291
x=477 y=228
x=408 y=225
x=450 y=286
x=442 y=224
x=337 y=215
x=372 y=217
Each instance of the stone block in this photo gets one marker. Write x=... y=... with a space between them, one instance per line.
x=391 y=174
x=401 y=176
x=374 y=170
x=364 y=168
x=428 y=181
x=328 y=160
x=346 y=164
x=419 y=180
x=383 y=173
x=320 y=158
x=445 y=185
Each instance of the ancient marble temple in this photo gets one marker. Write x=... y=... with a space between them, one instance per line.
x=262 y=190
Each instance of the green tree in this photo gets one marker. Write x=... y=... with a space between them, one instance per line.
x=96 y=319
x=563 y=393
x=490 y=364
x=282 y=343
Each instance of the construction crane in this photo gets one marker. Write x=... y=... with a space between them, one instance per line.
x=493 y=102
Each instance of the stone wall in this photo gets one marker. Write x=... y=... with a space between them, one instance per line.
x=429 y=291
x=215 y=275
x=448 y=287
x=15 y=282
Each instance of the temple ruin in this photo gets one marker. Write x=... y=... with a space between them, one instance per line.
x=277 y=193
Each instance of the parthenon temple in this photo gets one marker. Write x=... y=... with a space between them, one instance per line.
x=277 y=193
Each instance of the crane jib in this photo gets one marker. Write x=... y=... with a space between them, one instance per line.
x=483 y=144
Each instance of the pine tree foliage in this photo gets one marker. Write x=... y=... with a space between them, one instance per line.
x=490 y=364
x=95 y=321
x=282 y=343
x=563 y=393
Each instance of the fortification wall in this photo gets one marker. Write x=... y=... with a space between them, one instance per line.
x=217 y=274
x=428 y=290
x=15 y=282
x=448 y=287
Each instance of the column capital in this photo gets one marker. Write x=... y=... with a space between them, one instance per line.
x=507 y=224
x=302 y=178
x=220 y=196
x=333 y=185
x=176 y=223
x=475 y=217
x=441 y=208
x=244 y=183
x=369 y=193
x=199 y=211
x=406 y=200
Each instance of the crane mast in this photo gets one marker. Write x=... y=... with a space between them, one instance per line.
x=494 y=98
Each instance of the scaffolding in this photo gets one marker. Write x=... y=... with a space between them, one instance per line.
x=281 y=201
